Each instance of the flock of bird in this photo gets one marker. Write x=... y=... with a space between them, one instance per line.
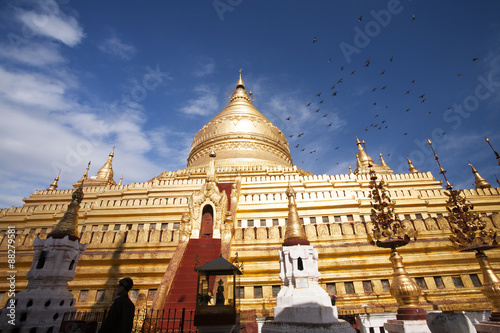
x=380 y=120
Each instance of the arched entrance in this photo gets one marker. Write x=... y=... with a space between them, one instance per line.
x=207 y=222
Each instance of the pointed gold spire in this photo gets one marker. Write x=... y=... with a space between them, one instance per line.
x=350 y=169
x=68 y=225
x=106 y=171
x=85 y=174
x=121 y=179
x=240 y=83
x=382 y=161
x=480 y=181
x=53 y=186
x=363 y=157
x=240 y=92
x=411 y=167
x=294 y=234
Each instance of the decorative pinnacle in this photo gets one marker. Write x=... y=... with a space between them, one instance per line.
x=497 y=156
x=388 y=231
x=294 y=234
x=480 y=181
x=441 y=170
x=240 y=83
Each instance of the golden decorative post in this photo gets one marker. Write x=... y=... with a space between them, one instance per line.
x=497 y=156
x=389 y=232
x=469 y=234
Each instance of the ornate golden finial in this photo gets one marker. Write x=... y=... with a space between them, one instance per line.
x=211 y=176
x=68 y=225
x=85 y=174
x=411 y=167
x=441 y=170
x=469 y=231
x=53 y=186
x=121 y=179
x=480 y=181
x=106 y=172
x=294 y=234
x=350 y=169
x=240 y=83
x=363 y=158
x=388 y=231
x=382 y=161
x=497 y=156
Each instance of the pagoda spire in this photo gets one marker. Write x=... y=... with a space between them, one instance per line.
x=68 y=225
x=480 y=181
x=105 y=173
x=53 y=186
x=411 y=167
x=294 y=234
x=382 y=161
x=240 y=92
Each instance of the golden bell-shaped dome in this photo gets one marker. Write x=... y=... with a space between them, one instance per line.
x=240 y=134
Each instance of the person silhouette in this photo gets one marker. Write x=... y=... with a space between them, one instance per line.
x=120 y=317
x=219 y=297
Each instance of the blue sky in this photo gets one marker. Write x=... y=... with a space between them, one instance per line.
x=79 y=77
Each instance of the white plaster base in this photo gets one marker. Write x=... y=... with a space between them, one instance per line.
x=488 y=326
x=407 y=326
x=314 y=314
x=453 y=322
x=339 y=327
x=374 y=321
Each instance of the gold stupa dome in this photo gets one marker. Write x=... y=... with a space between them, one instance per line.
x=240 y=134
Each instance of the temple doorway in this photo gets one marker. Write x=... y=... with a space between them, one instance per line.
x=207 y=222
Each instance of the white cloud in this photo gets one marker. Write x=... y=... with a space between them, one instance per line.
x=207 y=67
x=116 y=47
x=32 y=89
x=53 y=24
x=32 y=53
x=205 y=104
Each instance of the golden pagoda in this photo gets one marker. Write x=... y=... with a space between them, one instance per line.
x=235 y=182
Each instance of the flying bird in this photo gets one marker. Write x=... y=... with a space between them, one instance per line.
x=312 y=151
x=423 y=100
x=287 y=118
x=329 y=59
x=412 y=81
x=290 y=136
x=340 y=80
x=333 y=87
x=321 y=102
x=459 y=74
x=335 y=93
x=405 y=133
x=337 y=147
x=314 y=40
x=354 y=71
x=374 y=89
x=407 y=92
x=421 y=96
x=326 y=114
x=374 y=103
x=360 y=18
x=475 y=59
x=330 y=124
x=382 y=73
x=303 y=150
x=413 y=18
x=407 y=109
x=318 y=94
x=390 y=60
x=298 y=136
x=383 y=88
x=297 y=146
x=342 y=68
x=317 y=110
x=308 y=104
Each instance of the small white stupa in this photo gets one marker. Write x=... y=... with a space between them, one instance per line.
x=302 y=305
x=41 y=306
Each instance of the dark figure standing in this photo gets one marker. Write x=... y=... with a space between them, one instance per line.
x=120 y=318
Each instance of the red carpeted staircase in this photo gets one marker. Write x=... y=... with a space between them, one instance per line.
x=184 y=286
